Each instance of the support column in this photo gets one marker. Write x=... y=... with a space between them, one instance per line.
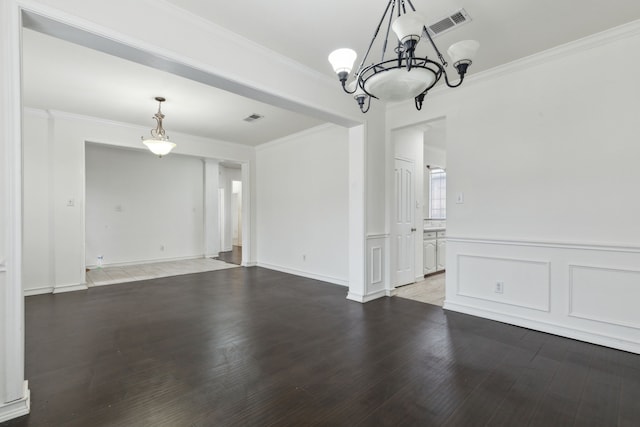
x=357 y=215
x=14 y=393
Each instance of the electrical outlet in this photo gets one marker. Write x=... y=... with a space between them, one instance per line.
x=499 y=289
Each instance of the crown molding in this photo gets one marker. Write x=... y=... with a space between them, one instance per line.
x=57 y=114
x=567 y=49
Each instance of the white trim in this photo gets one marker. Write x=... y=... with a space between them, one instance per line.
x=546 y=308
x=64 y=115
x=12 y=375
x=611 y=247
x=550 y=328
x=38 y=291
x=293 y=137
x=148 y=261
x=564 y=50
x=599 y=319
x=366 y=298
x=249 y=264
x=70 y=288
x=17 y=408
x=378 y=236
x=301 y=273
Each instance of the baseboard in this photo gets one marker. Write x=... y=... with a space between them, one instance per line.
x=550 y=328
x=17 y=408
x=147 y=261
x=307 y=274
x=38 y=291
x=70 y=288
x=370 y=297
x=250 y=264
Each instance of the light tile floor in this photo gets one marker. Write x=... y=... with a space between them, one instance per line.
x=130 y=273
x=430 y=290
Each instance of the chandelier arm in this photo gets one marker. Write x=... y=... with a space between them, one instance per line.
x=411 y=4
x=386 y=39
x=424 y=29
x=374 y=37
x=344 y=87
x=446 y=79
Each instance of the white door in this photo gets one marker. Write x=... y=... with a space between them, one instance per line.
x=404 y=230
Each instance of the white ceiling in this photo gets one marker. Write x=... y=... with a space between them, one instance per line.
x=506 y=29
x=63 y=76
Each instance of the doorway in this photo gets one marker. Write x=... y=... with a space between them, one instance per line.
x=230 y=215
x=424 y=145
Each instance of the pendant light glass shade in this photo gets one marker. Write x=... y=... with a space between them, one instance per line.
x=408 y=26
x=342 y=60
x=159 y=147
x=464 y=50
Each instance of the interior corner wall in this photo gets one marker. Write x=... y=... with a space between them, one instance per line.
x=140 y=208
x=545 y=153
x=303 y=206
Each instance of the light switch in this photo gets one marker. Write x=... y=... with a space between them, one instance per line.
x=460 y=198
x=71 y=202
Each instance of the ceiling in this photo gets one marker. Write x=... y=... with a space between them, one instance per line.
x=63 y=76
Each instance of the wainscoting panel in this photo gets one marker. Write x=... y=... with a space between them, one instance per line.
x=595 y=294
x=524 y=283
x=376 y=269
x=588 y=292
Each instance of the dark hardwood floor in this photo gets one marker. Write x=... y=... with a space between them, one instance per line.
x=234 y=256
x=254 y=347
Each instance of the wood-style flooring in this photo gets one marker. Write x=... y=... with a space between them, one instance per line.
x=254 y=347
x=234 y=256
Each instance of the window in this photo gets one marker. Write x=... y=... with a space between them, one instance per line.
x=437 y=193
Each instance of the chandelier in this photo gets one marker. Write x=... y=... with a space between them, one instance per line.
x=159 y=143
x=402 y=75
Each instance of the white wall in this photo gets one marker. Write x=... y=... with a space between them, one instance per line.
x=63 y=165
x=142 y=208
x=545 y=152
x=303 y=205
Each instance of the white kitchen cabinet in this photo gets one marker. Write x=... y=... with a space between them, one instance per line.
x=434 y=251
x=441 y=254
x=429 y=254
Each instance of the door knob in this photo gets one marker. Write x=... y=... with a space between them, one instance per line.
x=413 y=229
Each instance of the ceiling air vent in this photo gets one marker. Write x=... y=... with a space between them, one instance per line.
x=449 y=23
x=253 y=118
